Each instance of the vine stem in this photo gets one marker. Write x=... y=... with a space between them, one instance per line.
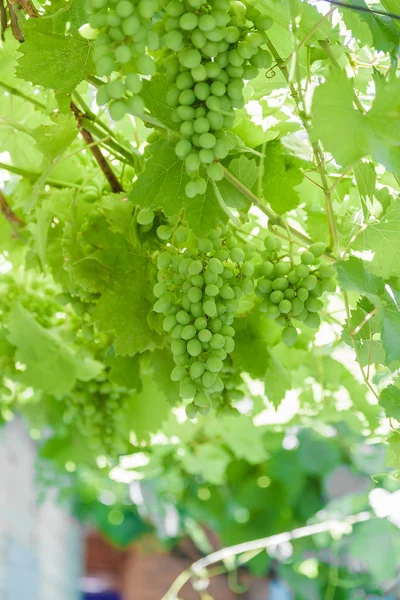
x=200 y=565
x=34 y=176
x=271 y=214
x=12 y=90
x=109 y=174
x=92 y=122
x=8 y=213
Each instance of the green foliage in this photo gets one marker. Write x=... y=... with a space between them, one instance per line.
x=300 y=192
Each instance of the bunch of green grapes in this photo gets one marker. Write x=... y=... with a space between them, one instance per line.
x=125 y=36
x=95 y=409
x=214 y=46
x=292 y=290
x=198 y=293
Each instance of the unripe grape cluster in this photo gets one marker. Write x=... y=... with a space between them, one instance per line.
x=95 y=410
x=198 y=292
x=214 y=46
x=121 y=46
x=291 y=288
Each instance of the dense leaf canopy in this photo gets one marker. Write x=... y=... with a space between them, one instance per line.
x=303 y=426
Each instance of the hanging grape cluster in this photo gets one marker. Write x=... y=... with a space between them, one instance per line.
x=198 y=293
x=95 y=410
x=291 y=288
x=121 y=47
x=214 y=46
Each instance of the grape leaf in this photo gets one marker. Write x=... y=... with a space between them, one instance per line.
x=246 y=171
x=389 y=399
x=383 y=238
x=162 y=185
x=281 y=174
x=148 y=409
x=53 y=140
x=51 y=365
x=336 y=122
x=208 y=461
x=242 y=438
x=124 y=308
x=253 y=335
x=154 y=94
x=277 y=381
x=53 y=60
x=354 y=277
x=391 y=333
x=373 y=543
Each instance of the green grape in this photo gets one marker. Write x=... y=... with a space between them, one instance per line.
x=281 y=283
x=314 y=305
x=197 y=280
x=237 y=255
x=194 y=347
x=200 y=324
x=273 y=311
x=191 y=411
x=210 y=308
x=229 y=345
x=160 y=289
x=205 y=245
x=302 y=271
x=282 y=268
x=217 y=341
x=212 y=290
x=312 y=320
x=174 y=41
x=178 y=373
x=289 y=293
x=195 y=267
x=326 y=272
x=169 y=323
x=289 y=335
x=188 y=332
x=303 y=294
x=207 y=140
x=178 y=347
x=145 y=65
x=285 y=306
x=133 y=83
x=195 y=294
x=317 y=249
x=183 y=148
x=187 y=389
x=214 y=364
x=188 y=21
x=182 y=317
x=307 y=258
x=208 y=379
x=197 y=369
x=297 y=306
x=215 y=266
x=215 y=325
x=309 y=282
x=181 y=236
x=204 y=335
x=276 y=296
x=261 y=60
x=189 y=58
x=104 y=66
x=215 y=171
x=164 y=260
x=201 y=399
x=145 y=216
